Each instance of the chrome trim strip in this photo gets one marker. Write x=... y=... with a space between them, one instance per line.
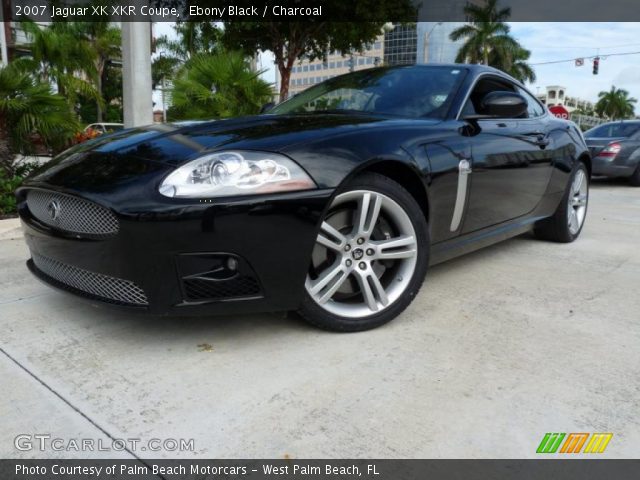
x=464 y=169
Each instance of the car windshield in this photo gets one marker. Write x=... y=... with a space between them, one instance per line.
x=611 y=130
x=402 y=91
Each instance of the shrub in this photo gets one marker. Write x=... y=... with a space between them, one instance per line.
x=8 y=185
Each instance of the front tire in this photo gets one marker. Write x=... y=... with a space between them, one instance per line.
x=370 y=257
x=566 y=223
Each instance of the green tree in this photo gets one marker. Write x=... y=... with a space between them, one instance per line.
x=58 y=55
x=588 y=111
x=513 y=60
x=615 y=104
x=487 y=40
x=28 y=107
x=218 y=85
x=192 y=38
x=105 y=48
x=112 y=96
x=314 y=38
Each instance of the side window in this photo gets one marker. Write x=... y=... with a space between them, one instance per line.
x=628 y=129
x=534 y=109
x=602 y=131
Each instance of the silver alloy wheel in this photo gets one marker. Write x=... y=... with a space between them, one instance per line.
x=367 y=251
x=578 y=198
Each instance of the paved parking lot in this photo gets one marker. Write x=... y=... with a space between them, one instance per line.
x=501 y=346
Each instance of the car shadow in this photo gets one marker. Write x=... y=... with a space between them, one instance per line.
x=233 y=328
x=485 y=254
x=603 y=182
x=173 y=332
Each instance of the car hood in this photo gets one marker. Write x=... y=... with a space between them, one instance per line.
x=175 y=143
x=123 y=158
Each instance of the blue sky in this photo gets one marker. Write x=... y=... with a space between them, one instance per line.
x=560 y=41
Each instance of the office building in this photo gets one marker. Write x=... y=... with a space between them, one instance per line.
x=435 y=44
x=400 y=45
x=306 y=73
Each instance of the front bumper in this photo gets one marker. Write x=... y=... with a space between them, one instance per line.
x=230 y=256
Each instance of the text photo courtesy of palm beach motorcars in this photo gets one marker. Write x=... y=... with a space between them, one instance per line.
x=409 y=235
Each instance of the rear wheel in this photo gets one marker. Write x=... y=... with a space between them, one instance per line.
x=370 y=257
x=566 y=223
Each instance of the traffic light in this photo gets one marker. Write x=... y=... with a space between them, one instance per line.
x=596 y=65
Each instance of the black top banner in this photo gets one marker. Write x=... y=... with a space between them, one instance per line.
x=314 y=10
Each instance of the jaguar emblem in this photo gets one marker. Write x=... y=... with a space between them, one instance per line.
x=54 y=209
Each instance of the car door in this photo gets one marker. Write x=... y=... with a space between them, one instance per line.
x=511 y=161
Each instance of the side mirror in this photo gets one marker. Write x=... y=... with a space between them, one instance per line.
x=503 y=104
x=266 y=107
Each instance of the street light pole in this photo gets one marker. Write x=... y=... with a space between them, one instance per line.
x=4 y=57
x=136 y=74
x=426 y=42
x=164 y=102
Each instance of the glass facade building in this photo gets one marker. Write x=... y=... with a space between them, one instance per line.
x=400 y=45
x=434 y=44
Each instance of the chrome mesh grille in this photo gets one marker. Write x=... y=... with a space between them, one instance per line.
x=109 y=288
x=71 y=214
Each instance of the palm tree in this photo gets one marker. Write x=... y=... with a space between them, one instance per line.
x=218 y=85
x=28 y=107
x=514 y=62
x=487 y=41
x=59 y=56
x=485 y=33
x=615 y=104
x=192 y=38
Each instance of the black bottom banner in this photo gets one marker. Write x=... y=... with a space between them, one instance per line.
x=547 y=469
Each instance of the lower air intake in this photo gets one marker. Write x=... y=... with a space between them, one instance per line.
x=104 y=287
x=239 y=286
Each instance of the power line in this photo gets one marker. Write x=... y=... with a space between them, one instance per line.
x=589 y=57
x=551 y=47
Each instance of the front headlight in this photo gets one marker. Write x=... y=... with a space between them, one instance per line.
x=235 y=173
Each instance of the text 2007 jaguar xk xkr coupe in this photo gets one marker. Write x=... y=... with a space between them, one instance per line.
x=333 y=203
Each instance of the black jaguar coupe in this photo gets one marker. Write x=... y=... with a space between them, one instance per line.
x=333 y=203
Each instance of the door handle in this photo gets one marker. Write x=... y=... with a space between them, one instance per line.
x=464 y=167
x=542 y=141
